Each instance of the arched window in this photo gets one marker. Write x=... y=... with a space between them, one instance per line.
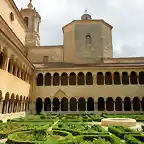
x=88 y=39
x=26 y=20
x=11 y=16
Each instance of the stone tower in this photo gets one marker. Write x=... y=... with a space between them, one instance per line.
x=32 y=19
x=87 y=40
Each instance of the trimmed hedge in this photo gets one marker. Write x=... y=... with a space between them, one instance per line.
x=15 y=137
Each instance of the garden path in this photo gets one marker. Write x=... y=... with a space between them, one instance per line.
x=50 y=128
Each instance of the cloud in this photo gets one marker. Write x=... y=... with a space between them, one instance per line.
x=124 y=15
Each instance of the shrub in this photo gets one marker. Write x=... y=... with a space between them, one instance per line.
x=131 y=140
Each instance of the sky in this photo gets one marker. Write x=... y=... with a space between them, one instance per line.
x=126 y=17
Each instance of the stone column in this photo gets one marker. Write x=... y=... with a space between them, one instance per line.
x=114 y=105
x=95 y=106
x=6 y=64
x=94 y=80
x=123 y=106
x=1 y=106
x=86 y=106
x=132 y=105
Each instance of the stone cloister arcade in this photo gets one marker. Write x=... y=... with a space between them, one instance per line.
x=101 y=104
x=101 y=78
x=13 y=103
x=13 y=66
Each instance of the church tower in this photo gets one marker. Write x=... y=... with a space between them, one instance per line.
x=87 y=40
x=32 y=20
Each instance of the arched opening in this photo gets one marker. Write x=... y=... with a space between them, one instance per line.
x=1 y=60
x=13 y=70
x=141 y=77
x=39 y=105
x=117 y=79
x=88 y=39
x=109 y=104
x=80 y=79
x=64 y=104
x=73 y=104
x=133 y=78
x=81 y=104
x=136 y=104
x=108 y=78
x=26 y=20
x=125 y=78
x=56 y=80
x=89 y=78
x=64 y=79
x=72 y=79
x=6 y=103
x=47 y=104
x=90 y=104
x=56 y=104
x=11 y=104
x=101 y=104
x=100 y=78
x=39 y=79
x=9 y=65
x=48 y=79
x=127 y=104
x=118 y=104
x=142 y=104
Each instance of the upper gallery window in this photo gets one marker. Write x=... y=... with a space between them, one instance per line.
x=26 y=20
x=88 y=40
x=45 y=59
x=11 y=16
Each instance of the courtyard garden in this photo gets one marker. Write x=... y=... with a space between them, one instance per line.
x=70 y=129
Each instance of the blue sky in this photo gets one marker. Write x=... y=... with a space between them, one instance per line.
x=126 y=17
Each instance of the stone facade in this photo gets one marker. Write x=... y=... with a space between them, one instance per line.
x=79 y=76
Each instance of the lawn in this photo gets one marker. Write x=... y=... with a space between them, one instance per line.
x=68 y=129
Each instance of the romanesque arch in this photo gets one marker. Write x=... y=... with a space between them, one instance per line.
x=40 y=79
x=81 y=104
x=90 y=104
x=64 y=104
x=27 y=104
x=89 y=78
x=39 y=105
x=11 y=104
x=100 y=78
x=73 y=104
x=125 y=78
x=136 y=104
x=141 y=77
x=127 y=104
x=5 y=103
x=101 y=104
x=118 y=104
x=47 y=104
x=56 y=80
x=133 y=78
x=47 y=79
x=109 y=104
x=117 y=78
x=64 y=79
x=108 y=78
x=56 y=104
x=80 y=78
x=72 y=78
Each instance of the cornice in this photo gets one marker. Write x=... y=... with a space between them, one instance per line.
x=86 y=21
